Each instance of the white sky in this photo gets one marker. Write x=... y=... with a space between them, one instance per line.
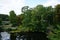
x=52 y=2
x=7 y=5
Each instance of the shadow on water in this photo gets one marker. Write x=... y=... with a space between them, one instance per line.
x=23 y=36
x=29 y=36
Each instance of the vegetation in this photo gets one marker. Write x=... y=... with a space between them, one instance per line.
x=13 y=18
x=37 y=19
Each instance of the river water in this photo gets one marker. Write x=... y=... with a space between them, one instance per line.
x=4 y=36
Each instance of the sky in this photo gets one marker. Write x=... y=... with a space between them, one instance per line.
x=7 y=5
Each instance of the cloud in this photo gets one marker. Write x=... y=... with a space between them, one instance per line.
x=51 y=3
x=8 y=5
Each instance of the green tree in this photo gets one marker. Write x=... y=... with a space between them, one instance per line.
x=33 y=20
x=13 y=18
x=57 y=13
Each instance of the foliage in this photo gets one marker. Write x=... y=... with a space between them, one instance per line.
x=4 y=17
x=36 y=19
x=13 y=18
x=57 y=12
x=39 y=18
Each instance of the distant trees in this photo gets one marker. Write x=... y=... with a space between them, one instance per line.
x=0 y=21
x=4 y=17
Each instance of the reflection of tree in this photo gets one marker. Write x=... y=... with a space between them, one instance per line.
x=33 y=36
x=0 y=36
x=13 y=36
x=1 y=29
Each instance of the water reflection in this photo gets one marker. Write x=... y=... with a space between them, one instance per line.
x=5 y=36
x=9 y=36
x=20 y=37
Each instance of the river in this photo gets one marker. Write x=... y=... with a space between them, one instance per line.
x=6 y=36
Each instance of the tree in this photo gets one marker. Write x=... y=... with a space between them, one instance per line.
x=25 y=8
x=57 y=13
x=57 y=9
x=33 y=21
x=4 y=17
x=13 y=18
x=20 y=18
x=37 y=19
